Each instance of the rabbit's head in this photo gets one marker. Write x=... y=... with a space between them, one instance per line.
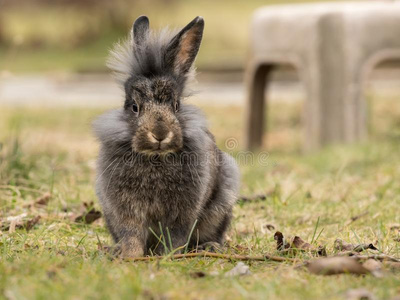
x=154 y=69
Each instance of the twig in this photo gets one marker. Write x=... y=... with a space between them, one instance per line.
x=217 y=255
x=355 y=218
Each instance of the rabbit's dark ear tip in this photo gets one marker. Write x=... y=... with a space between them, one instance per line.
x=142 y=19
x=199 y=20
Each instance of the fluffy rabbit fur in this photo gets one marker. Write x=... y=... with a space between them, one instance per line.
x=159 y=168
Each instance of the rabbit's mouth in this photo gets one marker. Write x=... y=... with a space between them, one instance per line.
x=152 y=143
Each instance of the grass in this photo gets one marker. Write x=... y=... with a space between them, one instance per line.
x=52 y=150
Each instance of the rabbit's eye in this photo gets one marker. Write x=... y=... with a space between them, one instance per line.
x=176 y=106
x=135 y=108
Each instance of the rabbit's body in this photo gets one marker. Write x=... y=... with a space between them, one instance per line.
x=159 y=168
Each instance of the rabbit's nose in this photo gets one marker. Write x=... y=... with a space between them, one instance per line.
x=164 y=138
x=157 y=138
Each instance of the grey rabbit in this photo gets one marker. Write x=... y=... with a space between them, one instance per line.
x=159 y=171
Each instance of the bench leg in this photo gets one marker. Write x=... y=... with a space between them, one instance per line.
x=256 y=83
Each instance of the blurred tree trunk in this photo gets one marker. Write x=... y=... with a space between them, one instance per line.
x=1 y=29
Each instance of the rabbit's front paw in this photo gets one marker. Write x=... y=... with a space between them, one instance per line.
x=211 y=247
x=131 y=251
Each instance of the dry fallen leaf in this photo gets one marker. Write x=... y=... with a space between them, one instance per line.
x=341 y=245
x=31 y=222
x=43 y=200
x=89 y=215
x=239 y=270
x=374 y=266
x=336 y=265
x=19 y=222
x=198 y=274
x=281 y=243
x=297 y=243
x=362 y=247
x=269 y=227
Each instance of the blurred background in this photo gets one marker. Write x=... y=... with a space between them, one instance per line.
x=75 y=35
x=53 y=53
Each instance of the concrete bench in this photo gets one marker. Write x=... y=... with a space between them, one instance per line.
x=333 y=46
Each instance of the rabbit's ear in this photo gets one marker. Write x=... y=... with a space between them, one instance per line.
x=140 y=30
x=183 y=48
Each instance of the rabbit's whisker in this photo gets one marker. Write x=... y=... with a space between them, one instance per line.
x=98 y=177
x=116 y=152
x=112 y=173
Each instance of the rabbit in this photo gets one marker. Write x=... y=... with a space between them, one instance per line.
x=159 y=171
